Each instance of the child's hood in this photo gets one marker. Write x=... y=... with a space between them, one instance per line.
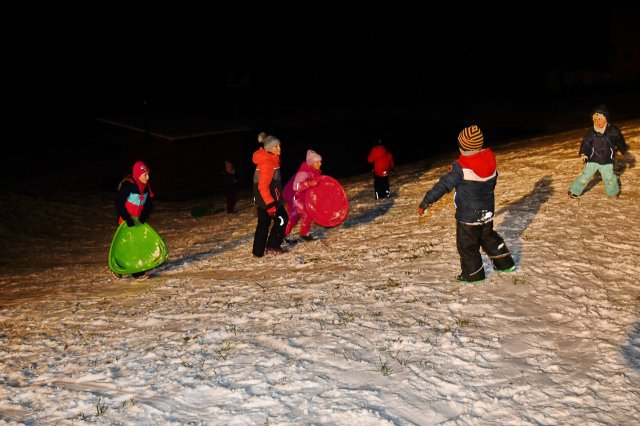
x=483 y=163
x=377 y=152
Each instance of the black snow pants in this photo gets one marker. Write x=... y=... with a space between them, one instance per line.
x=469 y=239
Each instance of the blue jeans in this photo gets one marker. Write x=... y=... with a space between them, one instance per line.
x=609 y=179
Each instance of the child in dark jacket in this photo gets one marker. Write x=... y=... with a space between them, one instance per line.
x=473 y=175
x=598 y=150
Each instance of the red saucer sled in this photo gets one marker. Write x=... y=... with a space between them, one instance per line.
x=327 y=202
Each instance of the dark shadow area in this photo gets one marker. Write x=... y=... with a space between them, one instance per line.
x=631 y=349
x=520 y=213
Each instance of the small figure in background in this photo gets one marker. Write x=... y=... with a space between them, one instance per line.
x=598 y=153
x=383 y=164
x=230 y=186
x=294 y=192
x=267 y=193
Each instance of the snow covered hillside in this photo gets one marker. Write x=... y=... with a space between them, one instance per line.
x=365 y=326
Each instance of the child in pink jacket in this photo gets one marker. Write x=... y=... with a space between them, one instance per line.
x=294 y=193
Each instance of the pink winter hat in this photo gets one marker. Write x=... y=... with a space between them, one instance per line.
x=140 y=168
x=313 y=157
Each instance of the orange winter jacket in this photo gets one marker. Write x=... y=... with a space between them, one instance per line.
x=267 y=181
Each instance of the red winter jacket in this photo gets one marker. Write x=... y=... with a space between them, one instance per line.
x=381 y=159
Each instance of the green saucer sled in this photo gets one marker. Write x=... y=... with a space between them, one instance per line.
x=136 y=249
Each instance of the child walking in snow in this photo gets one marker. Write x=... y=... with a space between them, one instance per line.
x=294 y=193
x=473 y=175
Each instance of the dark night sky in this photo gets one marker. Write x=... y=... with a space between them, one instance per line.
x=114 y=59
x=65 y=68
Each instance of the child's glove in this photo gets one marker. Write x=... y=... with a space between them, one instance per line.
x=272 y=211
x=422 y=213
x=629 y=159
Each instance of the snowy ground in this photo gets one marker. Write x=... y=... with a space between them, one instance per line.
x=366 y=326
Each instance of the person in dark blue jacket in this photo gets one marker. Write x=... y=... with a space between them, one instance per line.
x=473 y=175
x=598 y=153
